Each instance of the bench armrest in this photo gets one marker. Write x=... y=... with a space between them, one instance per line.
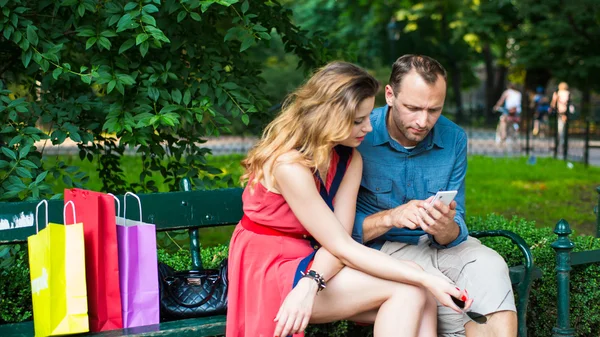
x=515 y=238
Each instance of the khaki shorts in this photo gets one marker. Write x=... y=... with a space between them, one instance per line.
x=471 y=266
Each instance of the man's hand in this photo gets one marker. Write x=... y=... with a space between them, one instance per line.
x=438 y=220
x=408 y=215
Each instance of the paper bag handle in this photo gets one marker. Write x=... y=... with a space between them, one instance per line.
x=37 y=229
x=125 y=204
x=118 y=204
x=70 y=202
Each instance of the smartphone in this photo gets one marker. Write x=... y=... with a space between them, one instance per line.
x=444 y=196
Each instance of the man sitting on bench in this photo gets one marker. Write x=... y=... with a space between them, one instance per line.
x=412 y=153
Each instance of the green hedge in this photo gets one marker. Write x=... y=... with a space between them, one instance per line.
x=15 y=297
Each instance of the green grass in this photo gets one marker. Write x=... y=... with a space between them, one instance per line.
x=132 y=167
x=544 y=192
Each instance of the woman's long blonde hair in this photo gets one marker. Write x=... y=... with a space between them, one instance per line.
x=313 y=119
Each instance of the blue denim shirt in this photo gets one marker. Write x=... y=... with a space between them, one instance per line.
x=393 y=175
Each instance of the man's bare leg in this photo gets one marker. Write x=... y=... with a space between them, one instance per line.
x=499 y=324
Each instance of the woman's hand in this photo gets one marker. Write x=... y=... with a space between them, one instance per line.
x=443 y=291
x=294 y=313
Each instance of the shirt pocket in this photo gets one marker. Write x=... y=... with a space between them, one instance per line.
x=435 y=184
x=377 y=192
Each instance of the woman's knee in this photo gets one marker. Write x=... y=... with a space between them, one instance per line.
x=408 y=294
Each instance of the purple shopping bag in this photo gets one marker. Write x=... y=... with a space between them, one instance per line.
x=138 y=269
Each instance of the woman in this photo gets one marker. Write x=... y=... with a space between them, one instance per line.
x=560 y=105
x=303 y=179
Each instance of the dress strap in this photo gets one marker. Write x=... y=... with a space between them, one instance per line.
x=344 y=154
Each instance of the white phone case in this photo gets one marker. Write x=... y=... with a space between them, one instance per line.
x=445 y=197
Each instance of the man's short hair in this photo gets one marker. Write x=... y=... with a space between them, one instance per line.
x=428 y=68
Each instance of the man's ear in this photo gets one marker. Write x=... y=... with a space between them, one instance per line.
x=389 y=95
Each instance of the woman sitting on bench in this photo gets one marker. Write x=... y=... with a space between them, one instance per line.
x=294 y=238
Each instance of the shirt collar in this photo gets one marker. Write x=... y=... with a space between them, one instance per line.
x=382 y=136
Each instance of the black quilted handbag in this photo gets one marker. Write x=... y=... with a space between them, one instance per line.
x=189 y=294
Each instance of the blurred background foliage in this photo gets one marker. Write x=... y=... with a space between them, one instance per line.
x=162 y=76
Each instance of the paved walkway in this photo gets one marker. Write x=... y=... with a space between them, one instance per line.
x=481 y=142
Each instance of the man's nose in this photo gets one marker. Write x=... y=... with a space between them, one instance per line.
x=422 y=118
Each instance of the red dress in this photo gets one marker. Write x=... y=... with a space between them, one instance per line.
x=263 y=268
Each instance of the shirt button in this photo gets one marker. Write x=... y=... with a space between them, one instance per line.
x=316 y=247
x=377 y=189
x=305 y=236
x=408 y=184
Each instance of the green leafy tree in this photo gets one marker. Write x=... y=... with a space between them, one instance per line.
x=156 y=76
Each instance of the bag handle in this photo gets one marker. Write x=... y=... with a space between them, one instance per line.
x=194 y=305
x=125 y=204
x=45 y=202
x=70 y=202
x=118 y=203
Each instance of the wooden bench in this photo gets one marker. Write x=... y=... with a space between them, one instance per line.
x=188 y=209
x=193 y=210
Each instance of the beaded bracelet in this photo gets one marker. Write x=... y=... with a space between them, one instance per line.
x=321 y=284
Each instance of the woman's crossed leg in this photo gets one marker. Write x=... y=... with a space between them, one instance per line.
x=396 y=309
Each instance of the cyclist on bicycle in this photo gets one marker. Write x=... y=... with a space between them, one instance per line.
x=510 y=106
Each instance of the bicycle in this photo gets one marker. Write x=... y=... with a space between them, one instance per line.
x=508 y=126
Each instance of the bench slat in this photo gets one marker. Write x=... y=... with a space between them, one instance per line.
x=197 y=327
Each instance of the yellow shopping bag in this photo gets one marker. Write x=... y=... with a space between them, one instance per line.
x=58 y=286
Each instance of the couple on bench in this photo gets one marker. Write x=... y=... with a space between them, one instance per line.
x=338 y=223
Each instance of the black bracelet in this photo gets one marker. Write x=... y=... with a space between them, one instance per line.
x=321 y=284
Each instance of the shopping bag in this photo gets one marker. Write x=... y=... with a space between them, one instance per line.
x=138 y=268
x=57 y=270
x=97 y=212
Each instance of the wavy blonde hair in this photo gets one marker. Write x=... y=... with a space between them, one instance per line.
x=313 y=119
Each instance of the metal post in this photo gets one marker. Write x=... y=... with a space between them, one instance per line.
x=596 y=210
x=556 y=134
x=186 y=185
x=563 y=247
x=566 y=136
x=586 y=148
x=528 y=114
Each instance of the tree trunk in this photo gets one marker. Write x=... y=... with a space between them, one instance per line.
x=456 y=77
x=489 y=81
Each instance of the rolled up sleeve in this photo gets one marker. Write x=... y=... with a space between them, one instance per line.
x=357 y=230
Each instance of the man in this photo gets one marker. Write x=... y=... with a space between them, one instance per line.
x=412 y=153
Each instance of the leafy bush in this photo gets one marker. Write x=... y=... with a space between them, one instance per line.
x=15 y=295
x=15 y=302
x=585 y=280
x=160 y=76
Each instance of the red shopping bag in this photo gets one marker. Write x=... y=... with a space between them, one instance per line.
x=97 y=213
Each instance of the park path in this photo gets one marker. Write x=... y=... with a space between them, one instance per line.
x=481 y=142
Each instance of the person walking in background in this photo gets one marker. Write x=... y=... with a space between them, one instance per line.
x=510 y=106
x=540 y=106
x=412 y=153
x=560 y=105
x=302 y=179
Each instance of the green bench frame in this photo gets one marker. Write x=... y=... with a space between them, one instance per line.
x=193 y=210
